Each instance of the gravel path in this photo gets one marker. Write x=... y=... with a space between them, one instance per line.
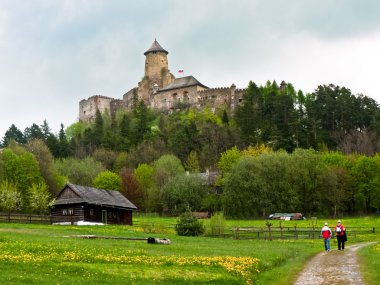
x=333 y=268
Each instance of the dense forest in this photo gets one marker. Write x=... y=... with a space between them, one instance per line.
x=279 y=150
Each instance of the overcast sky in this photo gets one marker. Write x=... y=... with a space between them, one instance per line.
x=53 y=53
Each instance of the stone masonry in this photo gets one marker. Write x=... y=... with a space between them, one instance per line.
x=160 y=90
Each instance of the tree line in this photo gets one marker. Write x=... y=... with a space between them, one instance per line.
x=156 y=159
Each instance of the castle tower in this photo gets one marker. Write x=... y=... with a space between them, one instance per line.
x=157 y=74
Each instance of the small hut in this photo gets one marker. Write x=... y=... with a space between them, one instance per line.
x=76 y=204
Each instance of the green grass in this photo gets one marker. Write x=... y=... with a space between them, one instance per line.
x=45 y=254
x=369 y=258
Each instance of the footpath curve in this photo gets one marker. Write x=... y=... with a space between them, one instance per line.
x=333 y=267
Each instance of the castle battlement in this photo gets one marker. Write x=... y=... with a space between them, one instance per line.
x=160 y=90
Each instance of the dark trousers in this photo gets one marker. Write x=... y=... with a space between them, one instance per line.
x=340 y=242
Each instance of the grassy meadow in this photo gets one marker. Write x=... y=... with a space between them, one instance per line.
x=49 y=254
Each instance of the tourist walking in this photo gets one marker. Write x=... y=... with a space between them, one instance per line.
x=340 y=232
x=326 y=234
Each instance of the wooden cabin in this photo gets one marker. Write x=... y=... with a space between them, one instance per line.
x=75 y=204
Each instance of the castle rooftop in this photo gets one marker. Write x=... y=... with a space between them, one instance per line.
x=183 y=82
x=155 y=47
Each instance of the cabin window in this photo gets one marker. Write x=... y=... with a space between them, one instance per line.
x=91 y=212
x=64 y=212
x=70 y=211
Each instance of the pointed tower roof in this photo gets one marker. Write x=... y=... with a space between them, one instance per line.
x=155 y=47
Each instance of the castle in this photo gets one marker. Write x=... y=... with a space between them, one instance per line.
x=160 y=90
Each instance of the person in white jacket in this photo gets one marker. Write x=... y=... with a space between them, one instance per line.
x=326 y=234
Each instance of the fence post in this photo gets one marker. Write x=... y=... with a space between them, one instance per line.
x=373 y=230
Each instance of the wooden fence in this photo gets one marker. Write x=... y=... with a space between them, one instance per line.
x=25 y=218
x=264 y=233
x=287 y=232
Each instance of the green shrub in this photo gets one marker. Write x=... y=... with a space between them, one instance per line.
x=188 y=225
x=217 y=225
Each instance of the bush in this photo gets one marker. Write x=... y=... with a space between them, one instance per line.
x=217 y=225
x=188 y=225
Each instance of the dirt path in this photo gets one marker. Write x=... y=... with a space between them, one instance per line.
x=334 y=267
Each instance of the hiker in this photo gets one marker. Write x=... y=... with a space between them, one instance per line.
x=340 y=232
x=326 y=234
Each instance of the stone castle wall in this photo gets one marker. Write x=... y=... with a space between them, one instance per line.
x=170 y=99
x=88 y=108
x=222 y=97
x=157 y=76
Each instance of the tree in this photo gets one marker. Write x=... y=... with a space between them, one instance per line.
x=125 y=132
x=40 y=199
x=183 y=138
x=337 y=182
x=20 y=168
x=188 y=225
x=107 y=180
x=146 y=152
x=45 y=129
x=192 y=162
x=366 y=174
x=256 y=150
x=226 y=162
x=131 y=189
x=46 y=163
x=167 y=166
x=361 y=142
x=240 y=191
x=249 y=115
x=10 y=197
x=225 y=118
x=144 y=175
x=141 y=126
x=64 y=147
x=307 y=173
x=13 y=133
x=33 y=132
x=121 y=161
x=52 y=143
x=79 y=171
x=98 y=129
x=181 y=192
x=106 y=157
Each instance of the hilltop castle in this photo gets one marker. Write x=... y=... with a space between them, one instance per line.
x=160 y=90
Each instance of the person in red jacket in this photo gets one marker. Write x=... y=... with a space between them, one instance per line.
x=326 y=234
x=340 y=232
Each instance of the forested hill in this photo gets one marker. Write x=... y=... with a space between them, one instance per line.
x=132 y=146
x=330 y=118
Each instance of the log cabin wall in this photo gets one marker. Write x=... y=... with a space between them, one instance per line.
x=67 y=213
x=90 y=213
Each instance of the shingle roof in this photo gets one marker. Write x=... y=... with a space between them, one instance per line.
x=182 y=82
x=95 y=196
x=155 y=47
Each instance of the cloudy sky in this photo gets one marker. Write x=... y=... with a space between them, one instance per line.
x=53 y=53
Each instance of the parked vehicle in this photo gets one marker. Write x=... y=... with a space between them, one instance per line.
x=286 y=216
